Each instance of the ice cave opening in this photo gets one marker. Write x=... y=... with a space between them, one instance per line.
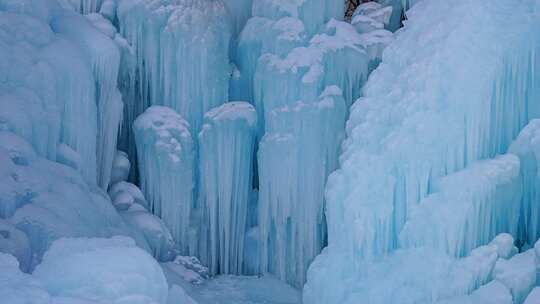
x=269 y=151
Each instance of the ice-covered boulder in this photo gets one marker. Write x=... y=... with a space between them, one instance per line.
x=165 y=151
x=18 y=287
x=15 y=242
x=518 y=274
x=492 y=293
x=111 y=270
x=120 y=168
x=154 y=231
x=124 y=195
x=47 y=200
x=226 y=148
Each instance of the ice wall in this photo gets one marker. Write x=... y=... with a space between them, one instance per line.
x=468 y=208
x=40 y=97
x=226 y=143
x=527 y=148
x=441 y=125
x=302 y=100
x=450 y=90
x=166 y=169
x=180 y=60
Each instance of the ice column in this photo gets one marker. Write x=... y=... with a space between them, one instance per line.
x=296 y=155
x=226 y=144
x=165 y=154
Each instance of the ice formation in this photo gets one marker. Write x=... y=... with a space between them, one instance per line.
x=180 y=58
x=41 y=99
x=285 y=61
x=104 y=58
x=468 y=208
x=136 y=277
x=121 y=167
x=527 y=148
x=47 y=200
x=119 y=258
x=166 y=164
x=291 y=221
x=437 y=182
x=450 y=91
x=422 y=275
x=226 y=146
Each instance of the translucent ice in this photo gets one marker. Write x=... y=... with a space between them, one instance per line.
x=226 y=146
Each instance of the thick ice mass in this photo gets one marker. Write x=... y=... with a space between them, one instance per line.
x=166 y=158
x=450 y=91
